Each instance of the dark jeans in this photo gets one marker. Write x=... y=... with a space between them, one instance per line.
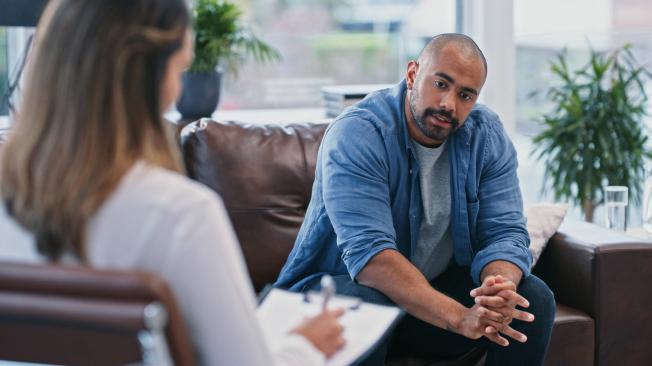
x=413 y=337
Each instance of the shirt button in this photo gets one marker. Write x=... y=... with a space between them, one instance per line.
x=410 y=171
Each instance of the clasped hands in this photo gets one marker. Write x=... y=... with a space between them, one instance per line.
x=495 y=308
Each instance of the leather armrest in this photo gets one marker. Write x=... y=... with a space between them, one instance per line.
x=608 y=275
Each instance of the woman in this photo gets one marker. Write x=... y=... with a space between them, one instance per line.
x=91 y=175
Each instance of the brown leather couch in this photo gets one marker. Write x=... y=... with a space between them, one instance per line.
x=602 y=280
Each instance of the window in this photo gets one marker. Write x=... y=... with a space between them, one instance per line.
x=543 y=29
x=15 y=19
x=328 y=42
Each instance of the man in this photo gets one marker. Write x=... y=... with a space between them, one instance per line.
x=416 y=202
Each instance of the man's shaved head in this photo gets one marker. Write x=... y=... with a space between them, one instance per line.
x=465 y=45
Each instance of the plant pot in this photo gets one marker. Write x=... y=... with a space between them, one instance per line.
x=200 y=94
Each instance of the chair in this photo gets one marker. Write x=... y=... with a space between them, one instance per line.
x=80 y=316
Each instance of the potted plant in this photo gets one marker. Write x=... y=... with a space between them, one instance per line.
x=595 y=135
x=222 y=41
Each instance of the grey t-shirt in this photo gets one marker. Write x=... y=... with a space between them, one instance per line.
x=434 y=248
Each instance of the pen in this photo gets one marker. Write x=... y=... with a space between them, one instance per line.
x=327 y=290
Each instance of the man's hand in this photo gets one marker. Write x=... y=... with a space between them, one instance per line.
x=499 y=295
x=473 y=323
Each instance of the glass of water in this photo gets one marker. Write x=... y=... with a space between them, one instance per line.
x=647 y=199
x=616 y=198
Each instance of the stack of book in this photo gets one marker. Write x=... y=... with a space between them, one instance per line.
x=337 y=98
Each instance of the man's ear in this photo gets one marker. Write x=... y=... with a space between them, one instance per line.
x=411 y=74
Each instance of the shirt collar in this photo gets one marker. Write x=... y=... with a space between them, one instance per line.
x=400 y=90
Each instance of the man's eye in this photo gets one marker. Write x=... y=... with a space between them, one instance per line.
x=466 y=96
x=440 y=84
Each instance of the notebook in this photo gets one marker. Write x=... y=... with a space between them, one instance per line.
x=365 y=324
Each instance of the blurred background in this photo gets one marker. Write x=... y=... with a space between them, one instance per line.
x=336 y=42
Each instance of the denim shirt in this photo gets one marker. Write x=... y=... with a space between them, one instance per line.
x=366 y=196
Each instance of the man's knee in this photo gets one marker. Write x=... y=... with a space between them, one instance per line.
x=541 y=298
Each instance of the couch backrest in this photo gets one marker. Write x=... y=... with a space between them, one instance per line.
x=264 y=175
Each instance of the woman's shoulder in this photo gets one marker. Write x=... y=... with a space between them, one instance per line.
x=153 y=209
x=157 y=187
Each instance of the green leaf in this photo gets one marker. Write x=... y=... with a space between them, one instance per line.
x=221 y=39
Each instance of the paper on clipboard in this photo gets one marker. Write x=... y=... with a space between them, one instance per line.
x=364 y=323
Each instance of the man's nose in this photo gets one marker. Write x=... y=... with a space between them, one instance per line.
x=447 y=102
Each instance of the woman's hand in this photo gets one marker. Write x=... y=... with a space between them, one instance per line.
x=323 y=331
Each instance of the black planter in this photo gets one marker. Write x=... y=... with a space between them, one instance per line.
x=200 y=94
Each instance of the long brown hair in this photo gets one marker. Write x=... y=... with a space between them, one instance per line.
x=91 y=108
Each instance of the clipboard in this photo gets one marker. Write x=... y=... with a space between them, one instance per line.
x=366 y=325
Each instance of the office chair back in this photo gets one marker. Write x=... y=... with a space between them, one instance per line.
x=80 y=316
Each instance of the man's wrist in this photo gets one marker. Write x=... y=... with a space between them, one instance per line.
x=454 y=321
x=507 y=270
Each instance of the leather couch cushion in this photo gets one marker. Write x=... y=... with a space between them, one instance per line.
x=573 y=338
x=264 y=175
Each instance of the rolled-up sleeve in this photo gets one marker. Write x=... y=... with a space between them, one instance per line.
x=355 y=176
x=501 y=230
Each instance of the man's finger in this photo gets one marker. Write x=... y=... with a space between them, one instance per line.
x=492 y=315
x=522 y=315
x=496 y=338
x=514 y=334
x=514 y=298
x=487 y=282
x=504 y=329
x=509 y=313
x=494 y=289
x=491 y=301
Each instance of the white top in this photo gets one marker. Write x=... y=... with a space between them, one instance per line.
x=165 y=223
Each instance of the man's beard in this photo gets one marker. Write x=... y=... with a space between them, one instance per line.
x=434 y=132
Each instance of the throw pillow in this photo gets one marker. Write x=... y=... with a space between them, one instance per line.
x=543 y=219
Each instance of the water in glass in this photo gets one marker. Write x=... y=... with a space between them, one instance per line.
x=647 y=200
x=616 y=213
x=615 y=199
